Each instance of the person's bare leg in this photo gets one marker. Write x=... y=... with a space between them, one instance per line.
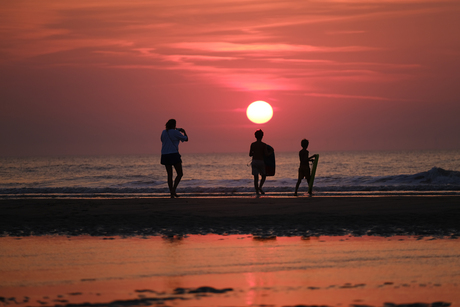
x=299 y=179
x=297 y=186
x=256 y=184
x=308 y=180
x=262 y=181
x=178 y=168
x=170 y=180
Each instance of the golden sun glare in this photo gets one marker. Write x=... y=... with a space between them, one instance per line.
x=259 y=112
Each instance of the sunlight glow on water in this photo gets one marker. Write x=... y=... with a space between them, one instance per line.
x=277 y=270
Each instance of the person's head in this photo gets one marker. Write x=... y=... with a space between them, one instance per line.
x=259 y=134
x=171 y=124
x=304 y=143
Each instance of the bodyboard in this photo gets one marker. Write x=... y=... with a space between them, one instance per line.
x=269 y=161
x=313 y=172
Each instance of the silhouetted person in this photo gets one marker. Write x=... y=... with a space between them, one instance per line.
x=258 y=151
x=304 y=168
x=170 y=138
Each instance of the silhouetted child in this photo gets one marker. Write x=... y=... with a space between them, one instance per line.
x=258 y=151
x=304 y=168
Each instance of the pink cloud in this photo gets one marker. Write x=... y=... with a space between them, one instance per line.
x=345 y=32
x=341 y=96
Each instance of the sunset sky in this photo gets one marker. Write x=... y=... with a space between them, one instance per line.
x=103 y=77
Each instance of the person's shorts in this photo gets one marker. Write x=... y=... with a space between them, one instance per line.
x=258 y=167
x=304 y=171
x=171 y=159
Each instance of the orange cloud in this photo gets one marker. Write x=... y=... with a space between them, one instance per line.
x=233 y=47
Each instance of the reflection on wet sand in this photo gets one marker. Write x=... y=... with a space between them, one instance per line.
x=229 y=270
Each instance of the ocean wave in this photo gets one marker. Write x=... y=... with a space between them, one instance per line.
x=435 y=179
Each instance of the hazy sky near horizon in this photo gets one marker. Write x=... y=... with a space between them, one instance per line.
x=103 y=77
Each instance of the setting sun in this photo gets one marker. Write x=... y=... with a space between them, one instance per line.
x=259 y=112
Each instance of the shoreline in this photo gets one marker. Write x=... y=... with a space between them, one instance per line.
x=242 y=194
x=302 y=194
x=265 y=216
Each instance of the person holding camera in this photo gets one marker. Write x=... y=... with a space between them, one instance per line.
x=170 y=138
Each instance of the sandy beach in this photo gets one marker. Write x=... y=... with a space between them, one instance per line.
x=265 y=216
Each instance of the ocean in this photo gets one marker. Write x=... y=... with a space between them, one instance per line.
x=370 y=173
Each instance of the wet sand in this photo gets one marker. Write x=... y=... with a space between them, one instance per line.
x=318 y=251
x=235 y=270
x=265 y=216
